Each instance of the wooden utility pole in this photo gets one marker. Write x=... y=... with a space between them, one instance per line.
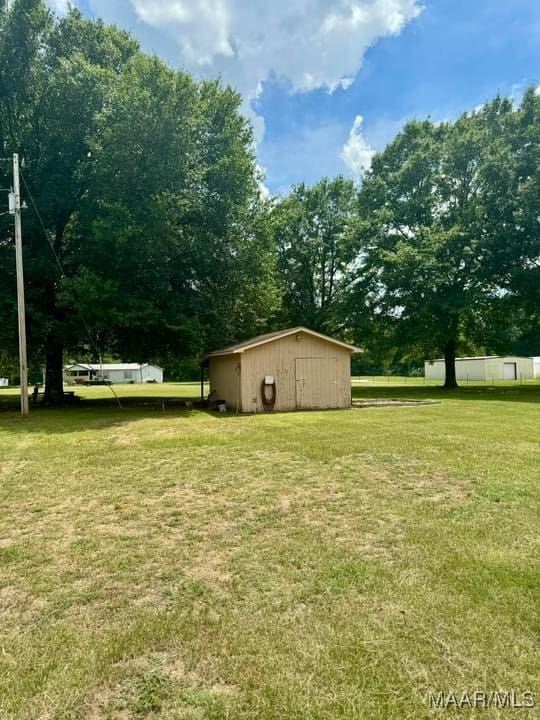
x=23 y=365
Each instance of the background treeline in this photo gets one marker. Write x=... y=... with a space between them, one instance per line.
x=153 y=241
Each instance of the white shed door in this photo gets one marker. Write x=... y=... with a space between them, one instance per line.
x=316 y=383
x=510 y=372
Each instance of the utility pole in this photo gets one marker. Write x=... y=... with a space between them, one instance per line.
x=15 y=209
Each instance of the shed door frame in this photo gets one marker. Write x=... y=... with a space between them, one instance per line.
x=311 y=394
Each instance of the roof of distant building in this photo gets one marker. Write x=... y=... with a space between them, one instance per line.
x=110 y=366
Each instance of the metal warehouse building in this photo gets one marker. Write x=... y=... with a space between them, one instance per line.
x=295 y=369
x=488 y=367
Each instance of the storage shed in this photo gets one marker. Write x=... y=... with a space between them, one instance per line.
x=294 y=369
x=488 y=367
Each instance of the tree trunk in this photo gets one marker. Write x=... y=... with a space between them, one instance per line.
x=54 y=346
x=54 y=373
x=450 y=381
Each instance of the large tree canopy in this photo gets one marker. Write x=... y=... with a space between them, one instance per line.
x=146 y=189
x=511 y=213
x=448 y=221
x=172 y=218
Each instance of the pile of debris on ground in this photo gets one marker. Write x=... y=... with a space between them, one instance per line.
x=392 y=402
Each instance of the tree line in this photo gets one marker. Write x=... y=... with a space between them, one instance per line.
x=147 y=237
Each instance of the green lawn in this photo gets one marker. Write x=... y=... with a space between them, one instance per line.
x=163 y=563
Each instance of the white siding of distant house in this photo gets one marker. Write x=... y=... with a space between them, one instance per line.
x=121 y=376
x=536 y=366
x=124 y=373
x=142 y=374
x=152 y=372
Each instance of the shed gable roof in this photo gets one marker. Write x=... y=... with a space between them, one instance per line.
x=241 y=347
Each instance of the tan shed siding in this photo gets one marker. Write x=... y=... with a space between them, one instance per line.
x=278 y=358
x=225 y=378
x=316 y=383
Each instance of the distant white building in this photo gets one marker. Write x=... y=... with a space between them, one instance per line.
x=114 y=372
x=536 y=366
x=488 y=367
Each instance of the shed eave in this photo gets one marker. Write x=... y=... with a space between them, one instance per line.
x=222 y=353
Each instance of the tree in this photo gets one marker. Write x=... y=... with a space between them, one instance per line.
x=56 y=75
x=173 y=219
x=152 y=244
x=511 y=208
x=312 y=233
x=443 y=231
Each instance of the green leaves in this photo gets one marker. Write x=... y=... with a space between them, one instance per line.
x=313 y=233
x=450 y=220
x=145 y=181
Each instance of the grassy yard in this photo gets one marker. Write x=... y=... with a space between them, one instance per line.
x=163 y=563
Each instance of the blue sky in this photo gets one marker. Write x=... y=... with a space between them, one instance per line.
x=308 y=68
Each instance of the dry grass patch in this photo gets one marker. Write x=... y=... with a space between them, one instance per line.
x=321 y=566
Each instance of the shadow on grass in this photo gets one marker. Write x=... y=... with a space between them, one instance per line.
x=519 y=393
x=105 y=412
x=94 y=413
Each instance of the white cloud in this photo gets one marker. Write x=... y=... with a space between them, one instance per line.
x=60 y=7
x=201 y=29
x=356 y=152
x=263 y=190
x=311 y=43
